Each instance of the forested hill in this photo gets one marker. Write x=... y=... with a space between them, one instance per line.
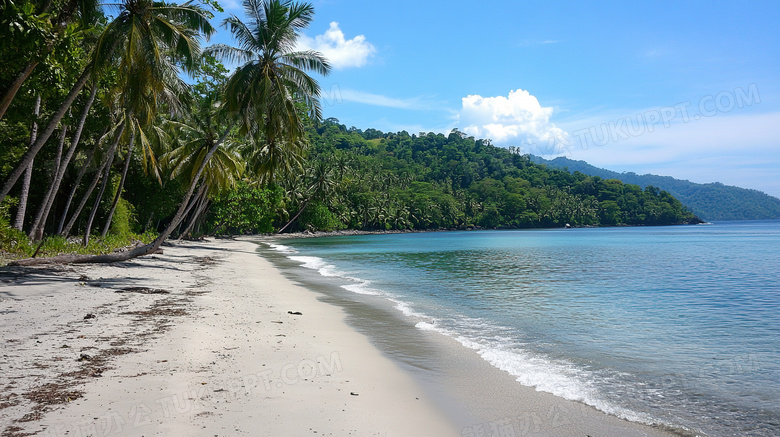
x=374 y=180
x=713 y=201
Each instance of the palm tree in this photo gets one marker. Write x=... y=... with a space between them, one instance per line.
x=36 y=232
x=84 y=167
x=194 y=136
x=272 y=85
x=106 y=161
x=144 y=43
x=52 y=22
x=19 y=222
x=153 y=36
x=221 y=174
x=320 y=181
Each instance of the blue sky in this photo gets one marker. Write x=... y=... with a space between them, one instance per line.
x=687 y=89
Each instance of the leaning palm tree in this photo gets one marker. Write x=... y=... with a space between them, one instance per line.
x=149 y=38
x=221 y=173
x=265 y=95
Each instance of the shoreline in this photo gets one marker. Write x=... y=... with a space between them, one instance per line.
x=480 y=399
x=354 y=232
x=199 y=342
x=205 y=339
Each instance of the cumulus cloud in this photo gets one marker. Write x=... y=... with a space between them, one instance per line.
x=340 y=51
x=517 y=119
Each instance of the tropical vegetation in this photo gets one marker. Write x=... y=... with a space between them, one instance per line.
x=103 y=139
x=379 y=181
x=135 y=100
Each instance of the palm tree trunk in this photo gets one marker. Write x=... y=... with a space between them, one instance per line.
x=195 y=217
x=75 y=187
x=10 y=93
x=201 y=218
x=148 y=222
x=142 y=250
x=102 y=190
x=40 y=220
x=65 y=232
x=121 y=185
x=33 y=235
x=198 y=200
x=41 y=140
x=22 y=209
x=192 y=203
x=58 y=157
x=305 y=204
x=96 y=206
x=180 y=213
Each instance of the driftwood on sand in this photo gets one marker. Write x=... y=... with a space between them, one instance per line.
x=137 y=251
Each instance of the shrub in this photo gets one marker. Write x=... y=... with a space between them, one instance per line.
x=245 y=209
x=12 y=240
x=317 y=217
x=124 y=220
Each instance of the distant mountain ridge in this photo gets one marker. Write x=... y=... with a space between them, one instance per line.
x=713 y=201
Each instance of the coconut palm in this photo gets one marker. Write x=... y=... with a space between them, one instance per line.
x=42 y=25
x=272 y=90
x=318 y=182
x=153 y=36
x=19 y=222
x=36 y=231
x=221 y=173
x=195 y=136
x=144 y=43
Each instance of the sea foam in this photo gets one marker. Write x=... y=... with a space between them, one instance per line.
x=359 y=286
x=559 y=378
x=281 y=248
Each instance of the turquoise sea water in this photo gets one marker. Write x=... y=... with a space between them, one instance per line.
x=671 y=325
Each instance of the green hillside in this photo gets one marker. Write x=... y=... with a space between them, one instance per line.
x=713 y=201
x=374 y=180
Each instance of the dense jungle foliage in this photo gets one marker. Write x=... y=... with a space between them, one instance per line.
x=373 y=180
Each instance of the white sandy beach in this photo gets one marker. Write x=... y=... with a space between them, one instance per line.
x=199 y=341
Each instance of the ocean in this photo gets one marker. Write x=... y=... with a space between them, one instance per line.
x=677 y=326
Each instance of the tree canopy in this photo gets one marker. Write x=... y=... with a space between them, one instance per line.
x=431 y=181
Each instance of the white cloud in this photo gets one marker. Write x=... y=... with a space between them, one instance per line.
x=341 y=52
x=415 y=103
x=514 y=120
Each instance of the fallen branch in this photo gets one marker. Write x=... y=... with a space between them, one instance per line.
x=90 y=259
